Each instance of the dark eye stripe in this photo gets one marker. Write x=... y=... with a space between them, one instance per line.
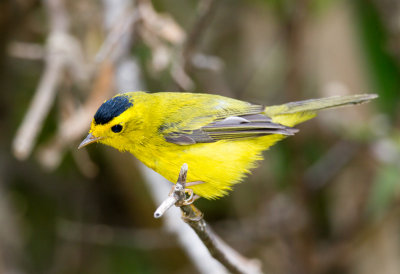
x=111 y=109
x=116 y=128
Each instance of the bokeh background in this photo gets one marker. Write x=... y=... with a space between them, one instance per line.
x=324 y=201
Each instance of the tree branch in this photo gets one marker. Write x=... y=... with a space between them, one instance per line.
x=62 y=52
x=226 y=255
x=207 y=9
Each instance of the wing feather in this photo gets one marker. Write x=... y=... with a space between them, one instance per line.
x=230 y=128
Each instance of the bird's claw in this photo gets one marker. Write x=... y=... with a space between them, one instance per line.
x=189 y=198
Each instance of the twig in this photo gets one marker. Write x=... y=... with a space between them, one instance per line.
x=159 y=31
x=73 y=127
x=180 y=69
x=181 y=78
x=61 y=49
x=320 y=173
x=116 y=45
x=39 y=108
x=185 y=236
x=207 y=9
x=175 y=196
x=116 y=34
x=226 y=255
x=160 y=25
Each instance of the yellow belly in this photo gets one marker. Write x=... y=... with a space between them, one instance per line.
x=219 y=165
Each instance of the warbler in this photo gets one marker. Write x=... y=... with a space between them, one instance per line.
x=220 y=138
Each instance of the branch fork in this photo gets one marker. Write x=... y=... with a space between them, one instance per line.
x=226 y=255
x=178 y=197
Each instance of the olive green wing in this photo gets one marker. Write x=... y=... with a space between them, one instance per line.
x=208 y=118
x=219 y=119
x=230 y=128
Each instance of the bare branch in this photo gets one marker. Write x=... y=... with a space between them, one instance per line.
x=176 y=195
x=160 y=25
x=159 y=31
x=207 y=9
x=226 y=255
x=39 y=108
x=60 y=47
x=123 y=26
x=320 y=173
x=73 y=127
x=190 y=243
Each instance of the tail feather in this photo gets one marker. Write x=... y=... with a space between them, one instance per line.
x=294 y=113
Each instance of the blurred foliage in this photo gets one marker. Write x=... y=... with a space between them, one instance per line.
x=323 y=201
x=385 y=190
x=382 y=67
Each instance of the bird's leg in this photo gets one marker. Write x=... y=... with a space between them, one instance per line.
x=188 y=184
x=191 y=197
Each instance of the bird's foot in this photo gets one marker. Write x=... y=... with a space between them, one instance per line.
x=190 y=197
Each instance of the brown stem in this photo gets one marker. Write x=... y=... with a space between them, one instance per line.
x=218 y=249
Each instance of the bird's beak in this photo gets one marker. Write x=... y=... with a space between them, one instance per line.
x=88 y=140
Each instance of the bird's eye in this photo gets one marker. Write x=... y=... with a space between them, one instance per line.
x=116 y=128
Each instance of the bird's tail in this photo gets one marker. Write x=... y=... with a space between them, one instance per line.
x=293 y=113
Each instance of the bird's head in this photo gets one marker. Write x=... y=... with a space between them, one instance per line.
x=114 y=123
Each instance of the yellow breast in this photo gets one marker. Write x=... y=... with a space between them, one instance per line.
x=219 y=165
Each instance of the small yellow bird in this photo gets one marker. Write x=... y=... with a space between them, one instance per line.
x=218 y=137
